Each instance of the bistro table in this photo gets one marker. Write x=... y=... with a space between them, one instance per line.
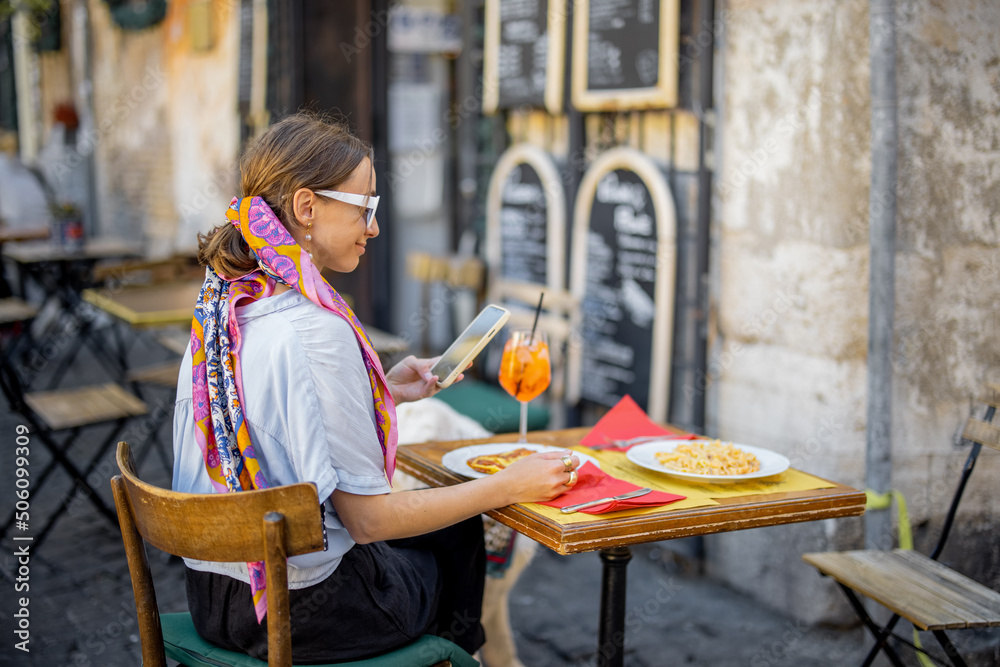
x=613 y=533
x=146 y=306
x=15 y=234
x=172 y=304
x=62 y=273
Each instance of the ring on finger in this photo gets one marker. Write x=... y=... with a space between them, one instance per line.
x=568 y=462
x=572 y=478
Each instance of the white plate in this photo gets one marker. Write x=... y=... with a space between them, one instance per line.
x=455 y=460
x=771 y=463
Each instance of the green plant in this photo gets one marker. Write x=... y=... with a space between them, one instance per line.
x=41 y=14
x=8 y=7
x=65 y=210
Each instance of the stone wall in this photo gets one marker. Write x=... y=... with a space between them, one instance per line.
x=788 y=360
x=164 y=135
x=948 y=265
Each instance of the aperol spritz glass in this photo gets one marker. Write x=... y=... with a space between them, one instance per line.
x=525 y=370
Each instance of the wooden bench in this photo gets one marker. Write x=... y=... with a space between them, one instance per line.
x=61 y=414
x=931 y=596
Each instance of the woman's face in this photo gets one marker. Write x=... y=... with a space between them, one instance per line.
x=339 y=232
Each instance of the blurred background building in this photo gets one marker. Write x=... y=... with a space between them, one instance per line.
x=137 y=112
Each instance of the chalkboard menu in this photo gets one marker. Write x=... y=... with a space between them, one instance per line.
x=618 y=306
x=523 y=54
x=526 y=219
x=625 y=54
x=623 y=276
x=522 y=226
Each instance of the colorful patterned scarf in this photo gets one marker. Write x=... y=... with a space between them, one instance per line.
x=220 y=428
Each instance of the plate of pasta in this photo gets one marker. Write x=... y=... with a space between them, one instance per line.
x=708 y=460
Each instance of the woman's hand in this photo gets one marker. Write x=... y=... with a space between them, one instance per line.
x=411 y=379
x=388 y=516
x=539 y=477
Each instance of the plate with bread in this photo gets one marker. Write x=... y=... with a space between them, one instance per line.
x=481 y=460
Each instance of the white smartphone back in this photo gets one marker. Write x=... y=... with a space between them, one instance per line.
x=463 y=351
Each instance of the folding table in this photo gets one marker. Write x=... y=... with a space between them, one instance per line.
x=62 y=274
x=9 y=234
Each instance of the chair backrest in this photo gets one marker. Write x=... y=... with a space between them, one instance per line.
x=985 y=430
x=267 y=525
x=982 y=428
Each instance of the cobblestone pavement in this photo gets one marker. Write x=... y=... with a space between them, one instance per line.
x=81 y=610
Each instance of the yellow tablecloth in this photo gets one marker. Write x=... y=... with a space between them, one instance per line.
x=697 y=494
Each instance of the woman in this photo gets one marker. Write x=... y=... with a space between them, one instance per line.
x=281 y=386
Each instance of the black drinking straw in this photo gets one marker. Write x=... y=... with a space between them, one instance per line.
x=531 y=338
x=534 y=324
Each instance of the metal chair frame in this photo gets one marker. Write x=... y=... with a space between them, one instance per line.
x=881 y=634
x=13 y=389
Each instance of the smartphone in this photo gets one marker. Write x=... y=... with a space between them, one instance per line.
x=460 y=354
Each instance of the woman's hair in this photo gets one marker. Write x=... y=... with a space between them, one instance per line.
x=305 y=150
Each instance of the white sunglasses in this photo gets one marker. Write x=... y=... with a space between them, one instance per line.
x=369 y=202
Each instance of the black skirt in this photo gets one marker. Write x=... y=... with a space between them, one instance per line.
x=382 y=596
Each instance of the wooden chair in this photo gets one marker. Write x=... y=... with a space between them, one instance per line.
x=932 y=596
x=15 y=311
x=268 y=525
x=57 y=418
x=16 y=316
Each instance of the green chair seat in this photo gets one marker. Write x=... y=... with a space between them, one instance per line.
x=495 y=409
x=183 y=644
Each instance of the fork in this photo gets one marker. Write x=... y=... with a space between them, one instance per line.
x=611 y=442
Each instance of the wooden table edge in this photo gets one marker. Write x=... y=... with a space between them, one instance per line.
x=129 y=316
x=590 y=536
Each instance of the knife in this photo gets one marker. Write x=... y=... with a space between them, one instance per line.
x=600 y=501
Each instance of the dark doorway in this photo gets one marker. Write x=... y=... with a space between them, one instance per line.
x=8 y=96
x=330 y=57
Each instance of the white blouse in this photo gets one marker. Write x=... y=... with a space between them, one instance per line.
x=309 y=411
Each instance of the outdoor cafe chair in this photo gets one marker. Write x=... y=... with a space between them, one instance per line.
x=57 y=419
x=929 y=594
x=16 y=316
x=267 y=525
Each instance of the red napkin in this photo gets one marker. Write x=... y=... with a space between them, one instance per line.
x=627 y=420
x=592 y=483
